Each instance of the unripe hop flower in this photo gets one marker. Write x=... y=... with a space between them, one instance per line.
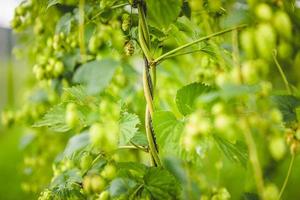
x=98 y=183
x=223 y=122
x=247 y=42
x=249 y=72
x=277 y=148
x=96 y=133
x=266 y=88
x=125 y=22
x=109 y=172
x=271 y=192
x=104 y=195
x=71 y=117
x=263 y=11
x=276 y=116
x=283 y=24
x=217 y=108
x=58 y=68
x=129 y=48
x=265 y=40
x=86 y=161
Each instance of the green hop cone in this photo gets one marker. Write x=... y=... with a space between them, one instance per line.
x=104 y=195
x=129 y=48
x=71 y=117
x=265 y=40
x=283 y=24
x=86 y=161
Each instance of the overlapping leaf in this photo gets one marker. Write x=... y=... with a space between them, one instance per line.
x=162 y=13
x=186 y=96
x=287 y=104
x=54 y=119
x=76 y=143
x=234 y=152
x=168 y=131
x=128 y=127
x=96 y=75
x=64 y=24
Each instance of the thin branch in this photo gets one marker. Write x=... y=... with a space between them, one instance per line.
x=81 y=29
x=140 y=147
x=197 y=41
x=287 y=176
x=258 y=175
x=127 y=147
x=286 y=83
x=113 y=7
x=184 y=53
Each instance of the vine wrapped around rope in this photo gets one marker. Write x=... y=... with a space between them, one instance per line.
x=144 y=40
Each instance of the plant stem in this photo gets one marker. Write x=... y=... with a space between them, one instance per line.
x=144 y=41
x=81 y=29
x=197 y=41
x=258 y=175
x=113 y=7
x=147 y=92
x=145 y=29
x=287 y=85
x=287 y=176
x=139 y=147
x=236 y=54
x=184 y=53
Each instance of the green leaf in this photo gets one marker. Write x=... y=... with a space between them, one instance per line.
x=162 y=13
x=161 y=184
x=234 y=152
x=52 y=3
x=67 y=185
x=168 y=132
x=131 y=170
x=76 y=143
x=287 y=104
x=175 y=166
x=70 y=60
x=54 y=119
x=186 y=96
x=128 y=127
x=121 y=186
x=96 y=75
x=64 y=24
x=76 y=93
x=139 y=139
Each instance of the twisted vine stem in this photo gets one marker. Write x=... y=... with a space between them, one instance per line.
x=149 y=78
x=148 y=84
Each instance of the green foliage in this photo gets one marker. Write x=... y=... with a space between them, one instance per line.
x=234 y=152
x=161 y=14
x=54 y=119
x=64 y=24
x=128 y=127
x=89 y=72
x=186 y=96
x=287 y=104
x=66 y=185
x=77 y=143
x=52 y=3
x=168 y=131
x=161 y=184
